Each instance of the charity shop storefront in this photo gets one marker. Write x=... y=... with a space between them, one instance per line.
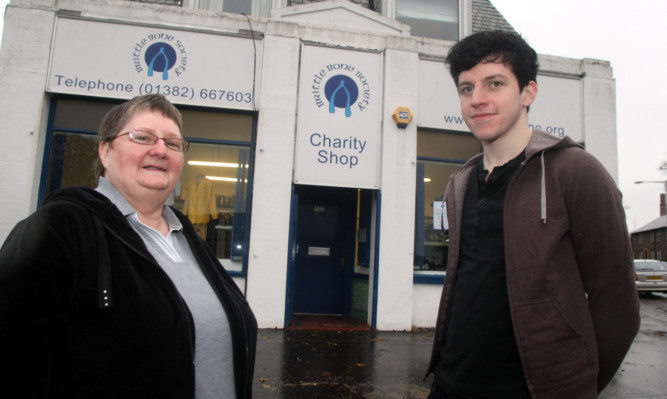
x=322 y=139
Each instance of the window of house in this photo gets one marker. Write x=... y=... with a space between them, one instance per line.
x=439 y=155
x=438 y=19
x=651 y=237
x=658 y=236
x=259 y=8
x=640 y=238
x=214 y=188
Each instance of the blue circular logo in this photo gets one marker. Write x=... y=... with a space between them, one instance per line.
x=160 y=57
x=342 y=92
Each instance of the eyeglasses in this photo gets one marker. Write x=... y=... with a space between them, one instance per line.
x=146 y=138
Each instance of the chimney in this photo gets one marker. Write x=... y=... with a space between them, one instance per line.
x=662 y=205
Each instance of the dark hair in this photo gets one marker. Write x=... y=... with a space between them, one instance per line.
x=494 y=46
x=118 y=116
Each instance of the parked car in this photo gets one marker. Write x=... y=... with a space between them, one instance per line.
x=650 y=275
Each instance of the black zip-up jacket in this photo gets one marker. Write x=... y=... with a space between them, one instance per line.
x=87 y=312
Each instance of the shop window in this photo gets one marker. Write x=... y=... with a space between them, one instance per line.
x=439 y=155
x=215 y=183
x=70 y=160
x=438 y=19
x=213 y=193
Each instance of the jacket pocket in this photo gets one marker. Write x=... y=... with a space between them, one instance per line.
x=552 y=348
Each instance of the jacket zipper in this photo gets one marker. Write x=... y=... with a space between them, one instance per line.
x=180 y=302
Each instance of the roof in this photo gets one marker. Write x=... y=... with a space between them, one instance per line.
x=658 y=223
x=485 y=17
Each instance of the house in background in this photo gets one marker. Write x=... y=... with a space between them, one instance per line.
x=650 y=241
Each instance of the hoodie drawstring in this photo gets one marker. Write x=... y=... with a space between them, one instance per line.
x=543 y=193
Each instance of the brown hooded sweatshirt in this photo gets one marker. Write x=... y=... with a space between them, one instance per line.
x=570 y=281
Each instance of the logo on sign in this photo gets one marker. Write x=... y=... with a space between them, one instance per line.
x=160 y=55
x=341 y=92
x=341 y=87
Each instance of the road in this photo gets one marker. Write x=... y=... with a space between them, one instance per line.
x=644 y=370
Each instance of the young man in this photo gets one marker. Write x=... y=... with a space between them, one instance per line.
x=539 y=299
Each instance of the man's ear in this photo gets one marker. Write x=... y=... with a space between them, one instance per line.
x=529 y=93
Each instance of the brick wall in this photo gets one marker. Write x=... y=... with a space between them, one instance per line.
x=653 y=244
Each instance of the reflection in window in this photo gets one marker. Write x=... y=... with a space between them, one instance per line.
x=69 y=152
x=212 y=194
x=431 y=243
x=438 y=19
x=439 y=155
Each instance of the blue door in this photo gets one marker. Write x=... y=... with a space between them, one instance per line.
x=324 y=249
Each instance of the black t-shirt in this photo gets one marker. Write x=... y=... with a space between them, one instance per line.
x=480 y=358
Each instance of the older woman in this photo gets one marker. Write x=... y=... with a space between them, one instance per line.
x=108 y=293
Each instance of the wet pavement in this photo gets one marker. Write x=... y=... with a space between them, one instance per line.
x=341 y=364
x=643 y=373
x=302 y=364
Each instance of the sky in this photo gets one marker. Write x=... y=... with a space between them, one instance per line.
x=633 y=38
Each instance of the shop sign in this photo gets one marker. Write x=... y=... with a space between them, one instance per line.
x=558 y=108
x=338 y=122
x=114 y=60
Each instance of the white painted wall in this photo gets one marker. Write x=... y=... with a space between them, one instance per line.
x=267 y=263
x=399 y=154
x=24 y=59
x=598 y=103
x=425 y=303
x=600 y=113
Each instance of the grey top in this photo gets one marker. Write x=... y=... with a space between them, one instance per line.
x=214 y=366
